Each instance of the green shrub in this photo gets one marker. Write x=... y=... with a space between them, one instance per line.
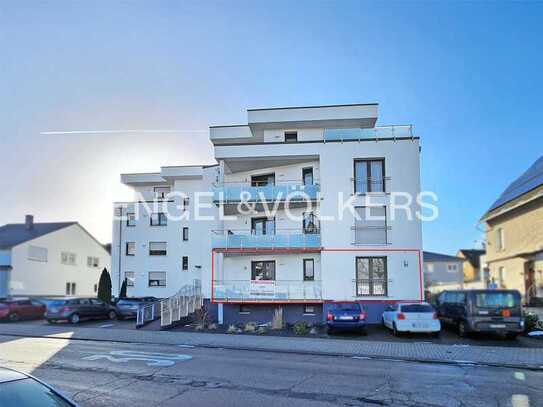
x=301 y=328
x=531 y=322
x=250 y=327
x=232 y=329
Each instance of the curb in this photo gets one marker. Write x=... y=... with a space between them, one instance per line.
x=464 y=363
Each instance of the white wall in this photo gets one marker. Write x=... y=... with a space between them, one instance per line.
x=30 y=277
x=284 y=173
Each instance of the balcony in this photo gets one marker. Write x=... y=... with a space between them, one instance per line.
x=281 y=239
x=295 y=191
x=371 y=133
x=267 y=290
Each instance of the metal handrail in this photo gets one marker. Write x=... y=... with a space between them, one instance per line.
x=250 y=232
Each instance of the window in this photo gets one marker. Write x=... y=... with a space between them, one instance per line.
x=130 y=219
x=36 y=253
x=263 y=226
x=309 y=310
x=369 y=176
x=501 y=275
x=244 y=309
x=157 y=279
x=185 y=234
x=93 y=262
x=309 y=270
x=451 y=267
x=310 y=223
x=291 y=136
x=430 y=268
x=370 y=225
x=500 y=241
x=158 y=219
x=263 y=270
x=307 y=176
x=130 y=278
x=185 y=261
x=371 y=276
x=130 y=248
x=161 y=192
x=70 y=288
x=262 y=180
x=157 y=248
x=186 y=202
x=67 y=258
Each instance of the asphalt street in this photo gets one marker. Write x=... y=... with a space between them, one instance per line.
x=116 y=374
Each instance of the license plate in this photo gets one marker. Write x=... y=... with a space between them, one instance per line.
x=346 y=318
x=497 y=325
x=417 y=325
x=54 y=310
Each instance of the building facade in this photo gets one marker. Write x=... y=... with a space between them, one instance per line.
x=305 y=214
x=49 y=259
x=476 y=275
x=442 y=272
x=514 y=236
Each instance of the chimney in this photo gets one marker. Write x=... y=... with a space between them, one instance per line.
x=29 y=222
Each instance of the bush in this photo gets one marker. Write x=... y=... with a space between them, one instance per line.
x=104 y=287
x=232 y=329
x=301 y=328
x=261 y=330
x=531 y=322
x=250 y=327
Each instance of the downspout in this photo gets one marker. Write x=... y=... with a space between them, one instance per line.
x=120 y=249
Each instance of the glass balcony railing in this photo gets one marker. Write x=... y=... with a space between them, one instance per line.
x=361 y=134
x=268 y=290
x=293 y=192
x=282 y=239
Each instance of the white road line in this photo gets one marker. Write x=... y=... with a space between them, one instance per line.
x=361 y=357
x=520 y=376
x=106 y=326
x=186 y=346
x=520 y=400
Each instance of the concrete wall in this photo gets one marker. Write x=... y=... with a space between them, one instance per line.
x=29 y=277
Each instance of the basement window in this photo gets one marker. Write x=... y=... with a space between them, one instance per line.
x=309 y=310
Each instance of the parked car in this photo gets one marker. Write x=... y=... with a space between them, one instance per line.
x=411 y=317
x=346 y=316
x=128 y=307
x=18 y=309
x=22 y=390
x=489 y=311
x=76 y=309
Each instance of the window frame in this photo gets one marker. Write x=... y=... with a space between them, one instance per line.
x=126 y=252
x=291 y=136
x=160 y=219
x=256 y=183
x=130 y=219
x=244 y=309
x=371 y=290
x=306 y=312
x=500 y=239
x=253 y=269
x=384 y=227
x=130 y=281
x=158 y=252
x=161 y=195
x=308 y=170
x=185 y=263
x=305 y=277
x=265 y=221
x=369 y=187
x=185 y=233
x=158 y=285
x=309 y=218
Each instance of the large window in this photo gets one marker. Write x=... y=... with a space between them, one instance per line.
x=369 y=176
x=370 y=225
x=130 y=219
x=130 y=277
x=263 y=226
x=262 y=180
x=157 y=248
x=159 y=219
x=36 y=253
x=309 y=269
x=157 y=279
x=310 y=223
x=263 y=270
x=130 y=248
x=371 y=276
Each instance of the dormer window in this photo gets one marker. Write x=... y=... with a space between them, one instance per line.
x=291 y=136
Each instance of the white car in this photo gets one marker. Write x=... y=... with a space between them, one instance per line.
x=411 y=317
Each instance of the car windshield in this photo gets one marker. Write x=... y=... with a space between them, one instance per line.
x=29 y=393
x=417 y=308
x=347 y=307
x=496 y=300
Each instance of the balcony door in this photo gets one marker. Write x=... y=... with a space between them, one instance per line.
x=263 y=226
x=262 y=180
x=263 y=270
x=307 y=176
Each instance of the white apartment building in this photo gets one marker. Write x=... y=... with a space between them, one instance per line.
x=305 y=163
x=49 y=259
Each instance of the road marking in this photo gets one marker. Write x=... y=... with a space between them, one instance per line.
x=106 y=326
x=520 y=376
x=152 y=358
x=186 y=346
x=520 y=400
x=361 y=357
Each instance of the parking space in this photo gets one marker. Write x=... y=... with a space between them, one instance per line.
x=93 y=323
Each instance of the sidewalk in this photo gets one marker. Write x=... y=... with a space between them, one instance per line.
x=527 y=358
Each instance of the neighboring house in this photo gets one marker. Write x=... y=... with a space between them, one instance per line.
x=442 y=272
x=514 y=235
x=49 y=259
x=252 y=265
x=475 y=276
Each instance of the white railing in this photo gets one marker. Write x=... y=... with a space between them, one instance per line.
x=187 y=300
x=275 y=290
x=278 y=238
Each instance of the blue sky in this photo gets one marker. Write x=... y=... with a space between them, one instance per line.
x=466 y=75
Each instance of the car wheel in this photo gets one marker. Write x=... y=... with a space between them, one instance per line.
x=14 y=317
x=74 y=319
x=395 y=331
x=112 y=315
x=462 y=329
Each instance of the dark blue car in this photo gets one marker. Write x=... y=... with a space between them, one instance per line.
x=346 y=316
